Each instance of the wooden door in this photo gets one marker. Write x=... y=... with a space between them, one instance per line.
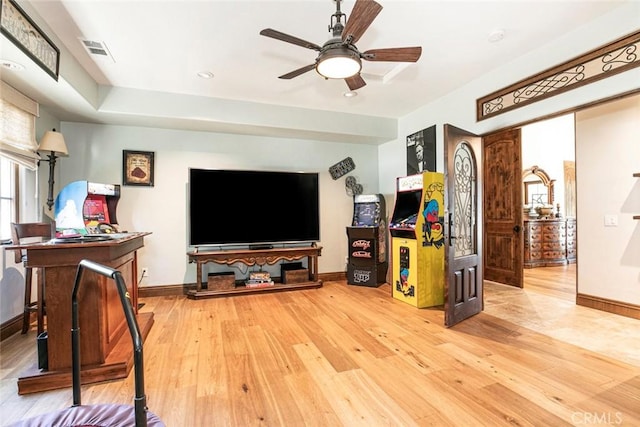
x=503 y=242
x=463 y=226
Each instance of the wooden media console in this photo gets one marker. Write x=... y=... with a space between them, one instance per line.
x=254 y=257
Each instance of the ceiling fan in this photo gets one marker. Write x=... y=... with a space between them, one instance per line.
x=339 y=58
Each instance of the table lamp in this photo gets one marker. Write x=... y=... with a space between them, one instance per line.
x=53 y=142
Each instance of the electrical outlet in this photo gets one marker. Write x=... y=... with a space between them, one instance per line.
x=145 y=272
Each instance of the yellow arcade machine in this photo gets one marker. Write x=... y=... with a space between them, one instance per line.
x=417 y=240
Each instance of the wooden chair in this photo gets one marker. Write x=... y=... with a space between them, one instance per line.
x=27 y=233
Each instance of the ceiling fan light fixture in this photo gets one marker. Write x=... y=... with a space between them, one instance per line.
x=338 y=63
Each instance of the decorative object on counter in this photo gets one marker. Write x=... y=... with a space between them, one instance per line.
x=53 y=142
x=137 y=168
x=544 y=211
x=531 y=212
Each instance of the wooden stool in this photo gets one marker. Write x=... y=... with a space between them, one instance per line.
x=27 y=233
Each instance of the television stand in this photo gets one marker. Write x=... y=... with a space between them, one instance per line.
x=251 y=257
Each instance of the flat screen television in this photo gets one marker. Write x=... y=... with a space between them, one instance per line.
x=239 y=207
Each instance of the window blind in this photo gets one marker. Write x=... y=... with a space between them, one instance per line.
x=17 y=127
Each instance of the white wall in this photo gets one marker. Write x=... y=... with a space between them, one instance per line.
x=95 y=154
x=459 y=107
x=607 y=156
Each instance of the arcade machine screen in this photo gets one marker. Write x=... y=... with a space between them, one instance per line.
x=366 y=215
x=84 y=207
x=95 y=210
x=407 y=209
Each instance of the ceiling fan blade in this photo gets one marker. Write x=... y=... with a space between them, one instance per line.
x=362 y=15
x=296 y=73
x=394 y=54
x=355 y=82
x=274 y=34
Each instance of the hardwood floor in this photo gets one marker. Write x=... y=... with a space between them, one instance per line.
x=558 y=282
x=347 y=355
x=546 y=304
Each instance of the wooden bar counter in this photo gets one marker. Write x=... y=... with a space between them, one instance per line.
x=106 y=349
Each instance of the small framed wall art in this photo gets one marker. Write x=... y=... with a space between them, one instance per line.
x=137 y=168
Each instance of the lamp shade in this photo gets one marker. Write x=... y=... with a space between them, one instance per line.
x=53 y=141
x=338 y=63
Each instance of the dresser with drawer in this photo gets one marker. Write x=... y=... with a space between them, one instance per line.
x=549 y=242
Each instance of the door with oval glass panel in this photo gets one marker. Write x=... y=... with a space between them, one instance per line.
x=463 y=225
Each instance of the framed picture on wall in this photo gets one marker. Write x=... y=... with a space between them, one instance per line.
x=16 y=25
x=421 y=151
x=137 y=168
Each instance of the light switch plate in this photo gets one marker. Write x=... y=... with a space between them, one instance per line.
x=611 y=220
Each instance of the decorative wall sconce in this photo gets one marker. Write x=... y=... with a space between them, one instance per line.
x=53 y=142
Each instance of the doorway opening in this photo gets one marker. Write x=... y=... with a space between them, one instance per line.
x=549 y=206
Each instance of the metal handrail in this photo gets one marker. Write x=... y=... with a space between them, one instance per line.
x=140 y=400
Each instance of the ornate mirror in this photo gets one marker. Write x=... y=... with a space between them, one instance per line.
x=538 y=187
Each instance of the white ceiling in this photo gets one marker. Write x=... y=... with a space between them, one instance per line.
x=160 y=45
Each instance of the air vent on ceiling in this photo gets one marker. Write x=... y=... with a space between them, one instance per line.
x=98 y=50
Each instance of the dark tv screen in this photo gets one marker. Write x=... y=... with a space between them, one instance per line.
x=236 y=207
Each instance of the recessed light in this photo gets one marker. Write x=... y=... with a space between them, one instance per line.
x=350 y=94
x=496 y=35
x=205 y=74
x=10 y=65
